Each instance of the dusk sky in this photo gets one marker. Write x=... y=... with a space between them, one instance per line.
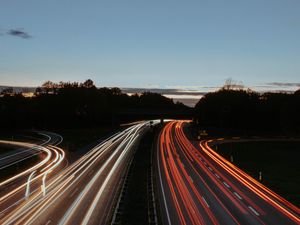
x=150 y=43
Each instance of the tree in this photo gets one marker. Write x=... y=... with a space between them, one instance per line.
x=230 y=84
x=48 y=86
x=38 y=91
x=116 y=91
x=7 y=91
x=72 y=104
x=88 y=84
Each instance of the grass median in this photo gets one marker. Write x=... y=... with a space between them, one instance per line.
x=278 y=162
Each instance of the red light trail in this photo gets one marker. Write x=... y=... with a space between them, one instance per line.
x=204 y=188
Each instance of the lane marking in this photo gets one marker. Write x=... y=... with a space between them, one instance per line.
x=161 y=184
x=237 y=195
x=128 y=147
x=217 y=176
x=16 y=203
x=49 y=221
x=93 y=156
x=205 y=201
x=226 y=184
x=73 y=192
x=210 y=168
x=253 y=210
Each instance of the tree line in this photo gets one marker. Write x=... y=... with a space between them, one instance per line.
x=247 y=110
x=73 y=104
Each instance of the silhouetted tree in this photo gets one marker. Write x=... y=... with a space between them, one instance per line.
x=88 y=84
x=230 y=84
x=73 y=104
x=246 y=109
x=7 y=91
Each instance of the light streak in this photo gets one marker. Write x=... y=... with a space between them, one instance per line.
x=234 y=184
x=28 y=184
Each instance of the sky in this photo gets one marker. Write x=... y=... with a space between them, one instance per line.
x=151 y=43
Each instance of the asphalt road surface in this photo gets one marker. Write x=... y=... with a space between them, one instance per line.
x=82 y=193
x=16 y=189
x=198 y=186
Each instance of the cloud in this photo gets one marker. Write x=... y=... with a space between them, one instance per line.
x=18 y=33
x=191 y=87
x=284 y=84
x=164 y=91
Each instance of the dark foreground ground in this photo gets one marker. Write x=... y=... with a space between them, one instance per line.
x=277 y=160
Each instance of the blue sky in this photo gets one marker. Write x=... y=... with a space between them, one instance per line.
x=150 y=43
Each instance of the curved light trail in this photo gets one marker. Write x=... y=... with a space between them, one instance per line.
x=84 y=192
x=18 y=189
x=198 y=186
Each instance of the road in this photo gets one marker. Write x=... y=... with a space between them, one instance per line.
x=86 y=191
x=15 y=189
x=26 y=150
x=198 y=186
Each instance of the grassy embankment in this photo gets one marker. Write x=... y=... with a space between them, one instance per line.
x=75 y=139
x=277 y=160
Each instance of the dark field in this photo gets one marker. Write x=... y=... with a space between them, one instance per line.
x=75 y=139
x=279 y=162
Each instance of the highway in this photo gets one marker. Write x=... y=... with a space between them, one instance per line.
x=198 y=186
x=85 y=191
x=26 y=150
x=15 y=189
